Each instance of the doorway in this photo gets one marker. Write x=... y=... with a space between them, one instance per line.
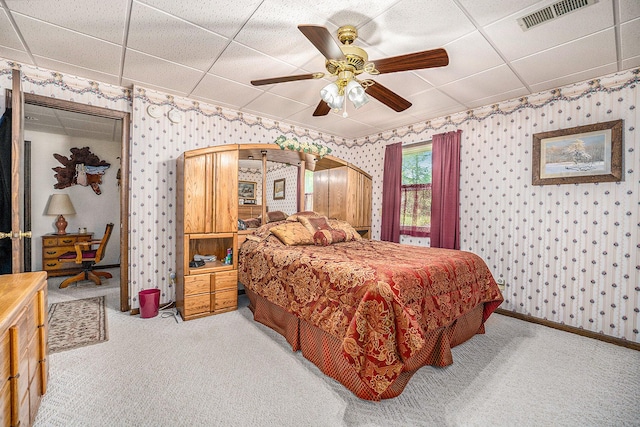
x=98 y=116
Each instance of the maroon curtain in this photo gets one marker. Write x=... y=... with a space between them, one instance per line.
x=416 y=210
x=445 y=205
x=391 y=182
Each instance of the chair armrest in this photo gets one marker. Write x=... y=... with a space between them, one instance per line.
x=86 y=244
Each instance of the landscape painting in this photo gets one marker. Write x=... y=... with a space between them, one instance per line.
x=584 y=154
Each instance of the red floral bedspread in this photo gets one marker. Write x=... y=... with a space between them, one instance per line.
x=378 y=298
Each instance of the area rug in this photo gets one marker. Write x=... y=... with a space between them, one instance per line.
x=77 y=323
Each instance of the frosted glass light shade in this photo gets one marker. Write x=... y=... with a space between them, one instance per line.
x=356 y=94
x=330 y=94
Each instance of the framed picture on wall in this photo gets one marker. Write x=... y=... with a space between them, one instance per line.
x=246 y=190
x=591 y=153
x=278 y=189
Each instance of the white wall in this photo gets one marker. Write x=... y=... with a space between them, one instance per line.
x=92 y=211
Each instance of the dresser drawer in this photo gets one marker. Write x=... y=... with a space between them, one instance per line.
x=49 y=241
x=55 y=252
x=197 y=284
x=54 y=264
x=197 y=304
x=224 y=280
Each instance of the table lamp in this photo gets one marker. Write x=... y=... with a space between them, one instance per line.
x=60 y=204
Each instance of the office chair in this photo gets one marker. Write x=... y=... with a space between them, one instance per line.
x=88 y=257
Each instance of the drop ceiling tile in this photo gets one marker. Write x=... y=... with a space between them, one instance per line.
x=8 y=37
x=98 y=18
x=468 y=55
x=39 y=119
x=158 y=72
x=273 y=30
x=350 y=12
x=347 y=128
x=83 y=133
x=494 y=81
x=217 y=90
x=65 y=68
x=15 y=55
x=576 y=77
x=494 y=99
x=68 y=46
x=274 y=106
x=397 y=31
x=514 y=43
x=568 y=58
x=629 y=36
x=379 y=116
x=629 y=9
x=224 y=17
x=487 y=11
x=242 y=64
x=162 y=35
x=36 y=127
x=627 y=64
x=97 y=127
x=430 y=102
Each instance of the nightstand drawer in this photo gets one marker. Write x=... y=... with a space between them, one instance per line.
x=224 y=300
x=198 y=284
x=224 y=280
x=197 y=304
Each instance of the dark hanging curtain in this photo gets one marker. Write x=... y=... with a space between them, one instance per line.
x=445 y=202
x=391 y=197
x=5 y=190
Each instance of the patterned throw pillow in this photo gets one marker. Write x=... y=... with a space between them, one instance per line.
x=292 y=233
x=327 y=237
x=314 y=223
x=276 y=216
x=351 y=233
x=297 y=215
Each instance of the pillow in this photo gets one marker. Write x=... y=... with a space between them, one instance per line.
x=327 y=237
x=351 y=233
x=252 y=222
x=297 y=215
x=264 y=231
x=276 y=216
x=314 y=223
x=292 y=234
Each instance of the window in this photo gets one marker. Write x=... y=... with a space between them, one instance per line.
x=415 y=213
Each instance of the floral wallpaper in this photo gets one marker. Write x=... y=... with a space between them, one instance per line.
x=568 y=253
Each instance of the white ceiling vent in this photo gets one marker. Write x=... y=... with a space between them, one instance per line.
x=552 y=12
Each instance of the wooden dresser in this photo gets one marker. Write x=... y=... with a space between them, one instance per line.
x=54 y=245
x=249 y=211
x=23 y=346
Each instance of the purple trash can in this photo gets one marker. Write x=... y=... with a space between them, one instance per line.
x=149 y=302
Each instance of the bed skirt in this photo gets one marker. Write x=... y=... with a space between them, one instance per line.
x=325 y=350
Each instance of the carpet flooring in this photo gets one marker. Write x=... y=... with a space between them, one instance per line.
x=228 y=370
x=77 y=323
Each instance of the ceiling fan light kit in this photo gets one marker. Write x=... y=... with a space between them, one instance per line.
x=346 y=62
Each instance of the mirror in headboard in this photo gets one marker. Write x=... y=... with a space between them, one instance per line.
x=328 y=185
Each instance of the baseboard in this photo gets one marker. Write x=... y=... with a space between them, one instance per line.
x=571 y=329
x=102 y=267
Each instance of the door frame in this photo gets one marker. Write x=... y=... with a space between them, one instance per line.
x=76 y=107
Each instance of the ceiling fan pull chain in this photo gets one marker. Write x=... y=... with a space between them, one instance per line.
x=344 y=113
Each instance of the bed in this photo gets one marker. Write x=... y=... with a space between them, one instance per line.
x=367 y=313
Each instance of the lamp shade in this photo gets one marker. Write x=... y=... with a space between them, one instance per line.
x=60 y=204
x=331 y=95
x=356 y=94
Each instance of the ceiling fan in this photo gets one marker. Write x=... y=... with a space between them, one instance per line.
x=347 y=62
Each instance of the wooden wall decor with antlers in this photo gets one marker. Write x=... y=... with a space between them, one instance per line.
x=84 y=161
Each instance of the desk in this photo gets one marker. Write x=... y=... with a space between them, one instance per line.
x=54 y=245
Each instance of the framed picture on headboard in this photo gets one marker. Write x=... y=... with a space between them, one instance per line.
x=246 y=190
x=278 y=189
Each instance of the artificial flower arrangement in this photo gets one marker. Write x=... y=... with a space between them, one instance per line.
x=305 y=147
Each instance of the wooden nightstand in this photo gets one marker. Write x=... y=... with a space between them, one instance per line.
x=54 y=245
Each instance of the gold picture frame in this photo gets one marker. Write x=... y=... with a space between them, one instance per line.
x=279 y=188
x=246 y=190
x=582 y=154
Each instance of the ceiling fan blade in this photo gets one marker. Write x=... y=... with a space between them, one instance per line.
x=287 y=79
x=413 y=61
x=322 y=109
x=322 y=40
x=388 y=97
